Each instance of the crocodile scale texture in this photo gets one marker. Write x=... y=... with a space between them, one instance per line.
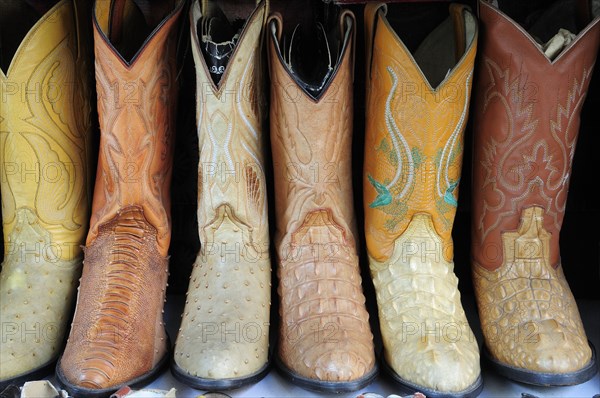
x=324 y=329
x=413 y=160
x=526 y=125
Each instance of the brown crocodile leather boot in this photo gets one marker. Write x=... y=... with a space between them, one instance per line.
x=529 y=98
x=325 y=342
x=418 y=93
x=118 y=336
x=223 y=341
x=45 y=152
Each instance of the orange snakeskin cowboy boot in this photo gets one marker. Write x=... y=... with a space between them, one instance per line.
x=45 y=151
x=118 y=336
x=223 y=341
x=325 y=341
x=416 y=110
x=529 y=99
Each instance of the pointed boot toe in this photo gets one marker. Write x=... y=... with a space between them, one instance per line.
x=438 y=367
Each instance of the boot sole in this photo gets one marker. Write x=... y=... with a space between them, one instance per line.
x=35 y=374
x=138 y=382
x=470 y=392
x=544 y=379
x=326 y=386
x=200 y=383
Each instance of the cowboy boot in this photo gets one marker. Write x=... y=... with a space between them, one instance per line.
x=45 y=141
x=118 y=336
x=416 y=110
x=526 y=125
x=223 y=342
x=325 y=342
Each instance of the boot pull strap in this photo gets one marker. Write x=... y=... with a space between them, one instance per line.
x=115 y=22
x=343 y=26
x=456 y=12
x=276 y=19
x=264 y=31
x=372 y=12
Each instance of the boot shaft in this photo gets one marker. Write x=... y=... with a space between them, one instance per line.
x=414 y=132
x=45 y=136
x=311 y=136
x=136 y=106
x=230 y=122
x=526 y=125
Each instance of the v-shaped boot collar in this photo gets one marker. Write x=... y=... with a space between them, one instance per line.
x=247 y=34
x=375 y=18
x=101 y=25
x=489 y=12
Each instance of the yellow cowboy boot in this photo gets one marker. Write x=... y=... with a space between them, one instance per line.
x=526 y=124
x=417 y=107
x=44 y=167
x=223 y=342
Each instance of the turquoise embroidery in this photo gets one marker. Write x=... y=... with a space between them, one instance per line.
x=384 y=197
x=448 y=196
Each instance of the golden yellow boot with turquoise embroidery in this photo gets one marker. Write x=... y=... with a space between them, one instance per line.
x=413 y=156
x=44 y=153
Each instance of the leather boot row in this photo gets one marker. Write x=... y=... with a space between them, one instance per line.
x=532 y=79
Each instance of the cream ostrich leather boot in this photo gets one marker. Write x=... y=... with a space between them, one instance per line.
x=325 y=341
x=223 y=342
x=526 y=126
x=45 y=140
x=417 y=107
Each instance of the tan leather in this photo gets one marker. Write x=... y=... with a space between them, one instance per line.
x=526 y=125
x=413 y=159
x=118 y=332
x=224 y=332
x=324 y=332
x=45 y=141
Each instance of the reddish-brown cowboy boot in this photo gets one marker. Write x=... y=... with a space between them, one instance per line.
x=526 y=123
